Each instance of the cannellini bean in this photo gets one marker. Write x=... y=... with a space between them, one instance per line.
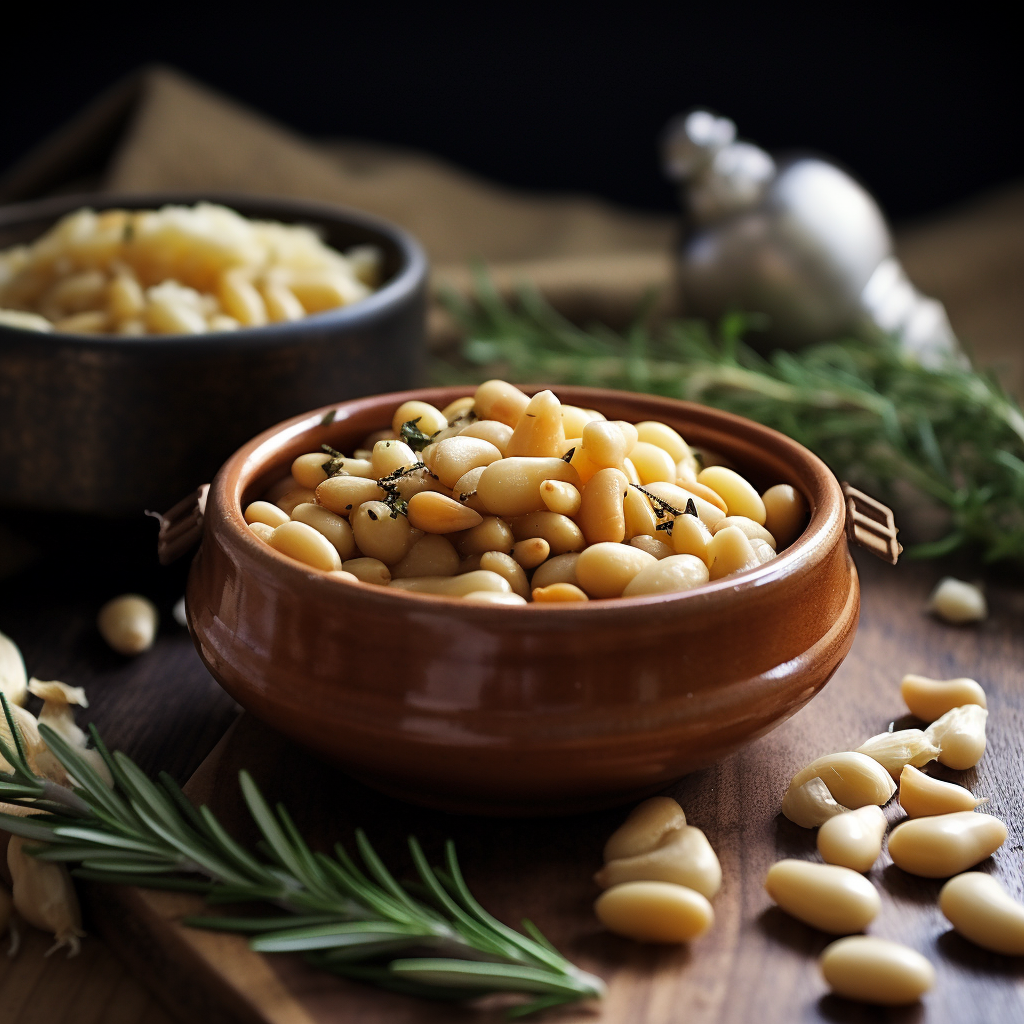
x=574 y=419
x=835 y=899
x=730 y=552
x=665 y=437
x=498 y=433
x=457 y=409
x=853 y=839
x=752 y=530
x=894 y=750
x=539 y=433
x=333 y=527
x=343 y=494
x=128 y=623
x=429 y=419
x=304 y=544
x=810 y=804
x=683 y=855
x=381 y=533
x=433 y=512
x=601 y=516
x=652 y=546
x=560 y=569
x=560 y=496
x=584 y=465
x=983 y=912
x=531 y=552
x=415 y=480
x=762 y=552
x=689 y=536
x=240 y=299
x=499 y=400
x=638 y=517
x=263 y=531
x=785 y=513
x=738 y=493
x=945 y=844
x=509 y=569
x=368 y=570
x=605 y=444
x=873 y=970
x=929 y=699
x=431 y=555
x=558 y=593
x=645 y=827
x=960 y=736
x=345 y=577
x=281 y=304
x=455 y=586
x=668 y=575
x=605 y=569
x=958 y=602
x=343 y=466
x=561 y=533
x=452 y=458
x=308 y=470
x=630 y=470
x=678 y=496
x=853 y=779
x=491 y=534
x=264 y=512
x=652 y=463
x=389 y=456
x=492 y=597
x=296 y=497
x=921 y=795
x=511 y=487
x=464 y=491
x=654 y=912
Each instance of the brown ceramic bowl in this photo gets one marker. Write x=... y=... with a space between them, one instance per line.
x=531 y=709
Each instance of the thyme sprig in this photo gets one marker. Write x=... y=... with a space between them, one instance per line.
x=944 y=436
x=356 y=921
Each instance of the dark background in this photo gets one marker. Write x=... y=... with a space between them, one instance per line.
x=920 y=108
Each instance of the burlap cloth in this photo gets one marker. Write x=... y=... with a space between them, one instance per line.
x=159 y=131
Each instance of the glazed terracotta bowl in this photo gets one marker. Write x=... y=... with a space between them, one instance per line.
x=529 y=709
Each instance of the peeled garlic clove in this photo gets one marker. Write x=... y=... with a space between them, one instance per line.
x=61 y=719
x=921 y=795
x=960 y=736
x=835 y=899
x=683 y=856
x=30 y=738
x=44 y=896
x=13 y=678
x=957 y=602
x=893 y=750
x=873 y=970
x=854 y=839
x=981 y=910
x=128 y=623
x=946 y=844
x=654 y=912
x=811 y=804
x=59 y=693
x=644 y=828
x=854 y=779
x=929 y=699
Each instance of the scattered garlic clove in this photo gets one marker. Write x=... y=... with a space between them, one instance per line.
x=178 y=613
x=44 y=896
x=128 y=623
x=811 y=804
x=854 y=839
x=929 y=699
x=946 y=844
x=13 y=678
x=683 y=856
x=835 y=899
x=654 y=912
x=893 y=750
x=644 y=828
x=981 y=910
x=30 y=738
x=960 y=736
x=957 y=602
x=873 y=970
x=854 y=779
x=922 y=796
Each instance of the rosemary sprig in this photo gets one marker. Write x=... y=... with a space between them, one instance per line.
x=949 y=436
x=347 y=919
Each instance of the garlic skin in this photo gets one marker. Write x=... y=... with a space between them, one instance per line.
x=811 y=804
x=644 y=828
x=128 y=623
x=894 y=750
x=13 y=678
x=960 y=736
x=44 y=896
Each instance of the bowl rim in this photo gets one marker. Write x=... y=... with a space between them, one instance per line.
x=824 y=528
x=411 y=274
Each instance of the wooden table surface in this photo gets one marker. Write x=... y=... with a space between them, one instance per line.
x=166 y=711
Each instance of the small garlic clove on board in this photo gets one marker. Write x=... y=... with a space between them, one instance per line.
x=960 y=736
x=893 y=750
x=683 y=856
x=945 y=844
x=958 y=602
x=644 y=828
x=854 y=839
x=811 y=804
x=128 y=623
x=929 y=699
x=873 y=970
x=44 y=896
x=921 y=795
x=981 y=910
x=13 y=678
x=654 y=912
x=854 y=779
x=835 y=899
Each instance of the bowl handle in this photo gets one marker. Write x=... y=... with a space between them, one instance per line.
x=181 y=527
x=870 y=524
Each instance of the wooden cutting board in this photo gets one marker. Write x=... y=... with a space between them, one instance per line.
x=756 y=962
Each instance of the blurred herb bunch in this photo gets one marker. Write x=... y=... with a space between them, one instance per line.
x=949 y=437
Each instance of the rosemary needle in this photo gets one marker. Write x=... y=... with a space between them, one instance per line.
x=357 y=922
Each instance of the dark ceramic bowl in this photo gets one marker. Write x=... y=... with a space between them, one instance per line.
x=113 y=425
x=539 y=708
